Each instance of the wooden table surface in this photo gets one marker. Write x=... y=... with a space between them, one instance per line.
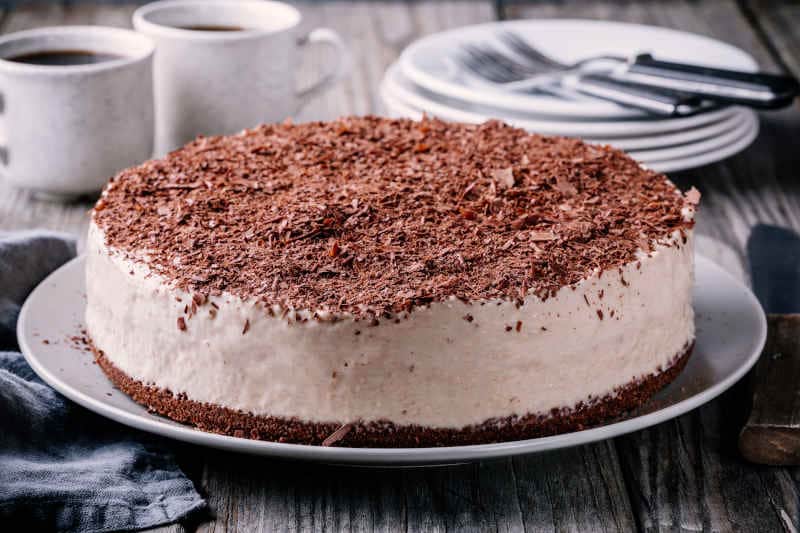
x=685 y=474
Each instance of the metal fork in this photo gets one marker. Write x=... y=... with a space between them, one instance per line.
x=520 y=46
x=759 y=90
x=493 y=66
x=511 y=73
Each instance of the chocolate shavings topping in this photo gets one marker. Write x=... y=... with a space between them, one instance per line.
x=370 y=216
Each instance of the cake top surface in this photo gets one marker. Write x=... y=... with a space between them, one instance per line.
x=369 y=215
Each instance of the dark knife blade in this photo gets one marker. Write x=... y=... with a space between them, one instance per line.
x=772 y=432
x=774 y=256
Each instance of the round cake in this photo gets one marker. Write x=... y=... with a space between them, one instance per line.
x=391 y=283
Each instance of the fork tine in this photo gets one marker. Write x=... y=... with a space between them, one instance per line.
x=475 y=61
x=517 y=45
x=526 y=50
x=519 y=69
x=509 y=68
x=494 y=66
x=489 y=64
x=480 y=68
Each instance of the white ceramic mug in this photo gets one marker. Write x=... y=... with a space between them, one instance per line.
x=220 y=82
x=65 y=130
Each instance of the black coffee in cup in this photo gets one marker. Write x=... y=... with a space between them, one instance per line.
x=202 y=27
x=62 y=58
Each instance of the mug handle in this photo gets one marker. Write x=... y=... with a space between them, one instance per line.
x=3 y=148
x=340 y=69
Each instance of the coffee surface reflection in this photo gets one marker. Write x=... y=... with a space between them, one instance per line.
x=63 y=58
x=211 y=28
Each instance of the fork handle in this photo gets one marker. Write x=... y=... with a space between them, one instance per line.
x=653 y=101
x=760 y=90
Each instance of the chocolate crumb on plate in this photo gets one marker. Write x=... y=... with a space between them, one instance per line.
x=337 y=435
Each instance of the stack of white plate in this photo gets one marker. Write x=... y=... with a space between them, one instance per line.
x=428 y=80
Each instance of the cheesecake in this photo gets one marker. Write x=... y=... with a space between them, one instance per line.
x=370 y=282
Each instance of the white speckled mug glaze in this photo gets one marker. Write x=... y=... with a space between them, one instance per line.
x=65 y=130
x=220 y=82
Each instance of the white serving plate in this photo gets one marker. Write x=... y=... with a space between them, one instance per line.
x=661 y=152
x=707 y=139
x=429 y=62
x=396 y=91
x=731 y=330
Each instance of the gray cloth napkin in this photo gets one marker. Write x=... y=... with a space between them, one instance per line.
x=63 y=468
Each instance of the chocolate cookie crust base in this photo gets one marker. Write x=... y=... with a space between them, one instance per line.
x=384 y=434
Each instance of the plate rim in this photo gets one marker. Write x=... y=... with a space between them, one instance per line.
x=597 y=110
x=724 y=152
x=748 y=121
x=378 y=456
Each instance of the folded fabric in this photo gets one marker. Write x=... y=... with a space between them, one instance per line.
x=63 y=468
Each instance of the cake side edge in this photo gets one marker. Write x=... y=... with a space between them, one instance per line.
x=386 y=434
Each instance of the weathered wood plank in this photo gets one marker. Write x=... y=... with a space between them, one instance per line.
x=41 y=14
x=251 y=494
x=571 y=490
x=377 y=33
x=722 y=254
x=777 y=23
x=687 y=475
x=577 y=489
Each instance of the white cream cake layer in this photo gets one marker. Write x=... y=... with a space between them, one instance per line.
x=449 y=365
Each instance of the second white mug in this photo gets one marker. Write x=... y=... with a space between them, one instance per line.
x=225 y=65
